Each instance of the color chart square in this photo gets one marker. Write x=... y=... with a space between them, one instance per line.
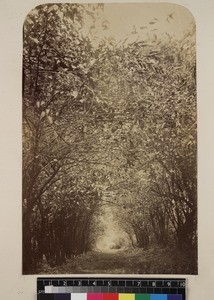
x=174 y=297
x=78 y=296
x=142 y=297
x=62 y=297
x=109 y=296
x=158 y=297
x=126 y=296
x=95 y=296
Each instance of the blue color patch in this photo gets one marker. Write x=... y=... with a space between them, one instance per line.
x=174 y=297
x=159 y=297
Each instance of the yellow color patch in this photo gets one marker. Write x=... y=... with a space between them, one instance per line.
x=126 y=296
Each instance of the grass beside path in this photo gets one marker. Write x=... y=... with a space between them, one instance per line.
x=130 y=261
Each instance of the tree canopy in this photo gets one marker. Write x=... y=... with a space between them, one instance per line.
x=107 y=127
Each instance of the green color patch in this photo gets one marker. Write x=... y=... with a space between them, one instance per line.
x=142 y=297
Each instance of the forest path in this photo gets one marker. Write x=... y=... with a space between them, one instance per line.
x=128 y=261
x=115 y=261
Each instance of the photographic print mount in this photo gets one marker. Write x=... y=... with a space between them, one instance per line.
x=109 y=140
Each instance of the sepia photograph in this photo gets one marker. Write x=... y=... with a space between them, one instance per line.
x=109 y=124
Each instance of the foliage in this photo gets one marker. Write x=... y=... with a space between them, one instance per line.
x=111 y=124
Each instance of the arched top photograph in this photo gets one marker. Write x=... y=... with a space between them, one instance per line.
x=109 y=123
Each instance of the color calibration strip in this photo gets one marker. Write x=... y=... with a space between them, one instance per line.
x=85 y=296
x=110 y=289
